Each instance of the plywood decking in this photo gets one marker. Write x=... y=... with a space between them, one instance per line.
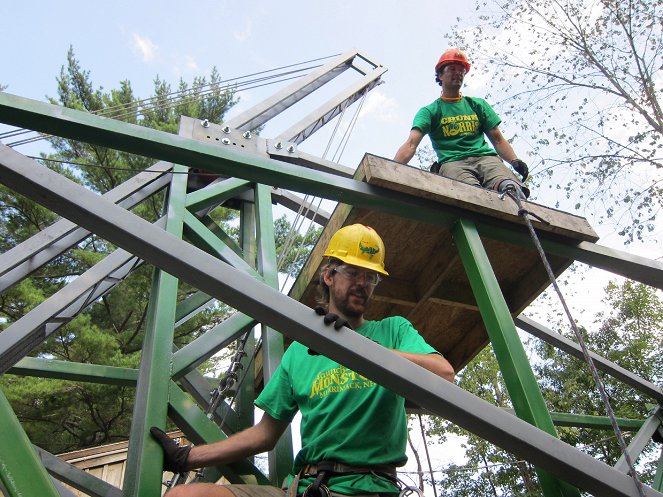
x=427 y=282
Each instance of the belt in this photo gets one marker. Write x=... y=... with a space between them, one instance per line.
x=324 y=469
x=337 y=467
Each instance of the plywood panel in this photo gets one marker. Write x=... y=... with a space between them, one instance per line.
x=427 y=282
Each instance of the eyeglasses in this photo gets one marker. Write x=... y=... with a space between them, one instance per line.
x=352 y=273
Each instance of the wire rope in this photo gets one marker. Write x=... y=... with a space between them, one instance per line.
x=430 y=465
x=522 y=212
x=194 y=92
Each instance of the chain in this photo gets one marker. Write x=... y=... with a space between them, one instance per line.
x=221 y=392
x=228 y=380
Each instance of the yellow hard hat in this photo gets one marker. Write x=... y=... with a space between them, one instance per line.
x=358 y=245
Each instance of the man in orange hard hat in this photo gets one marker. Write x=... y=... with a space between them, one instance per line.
x=353 y=430
x=456 y=125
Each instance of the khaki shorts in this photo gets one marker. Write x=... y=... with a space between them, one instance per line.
x=269 y=491
x=487 y=171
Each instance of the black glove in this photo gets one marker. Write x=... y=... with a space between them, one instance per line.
x=521 y=168
x=330 y=317
x=175 y=455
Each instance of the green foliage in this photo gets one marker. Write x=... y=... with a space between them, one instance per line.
x=487 y=470
x=293 y=248
x=59 y=415
x=629 y=333
x=579 y=82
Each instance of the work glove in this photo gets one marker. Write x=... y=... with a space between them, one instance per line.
x=329 y=318
x=175 y=455
x=521 y=168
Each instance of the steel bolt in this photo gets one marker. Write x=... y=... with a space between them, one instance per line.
x=247 y=135
x=225 y=141
x=278 y=145
x=291 y=148
x=226 y=129
x=205 y=123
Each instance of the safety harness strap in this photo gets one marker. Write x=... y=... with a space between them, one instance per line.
x=340 y=468
x=325 y=469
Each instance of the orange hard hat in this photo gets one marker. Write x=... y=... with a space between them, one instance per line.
x=453 y=55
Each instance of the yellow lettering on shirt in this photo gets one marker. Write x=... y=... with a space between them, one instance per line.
x=460 y=125
x=337 y=380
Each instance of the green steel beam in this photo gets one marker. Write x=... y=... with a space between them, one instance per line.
x=227 y=161
x=281 y=458
x=205 y=240
x=216 y=193
x=631 y=266
x=221 y=235
x=191 y=306
x=21 y=472
x=246 y=391
x=145 y=455
x=595 y=422
x=200 y=429
x=77 y=478
x=520 y=381
x=193 y=354
x=75 y=371
x=658 y=477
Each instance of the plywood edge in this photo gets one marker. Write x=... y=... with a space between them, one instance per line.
x=395 y=176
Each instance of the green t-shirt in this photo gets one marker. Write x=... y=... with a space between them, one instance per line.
x=346 y=417
x=456 y=129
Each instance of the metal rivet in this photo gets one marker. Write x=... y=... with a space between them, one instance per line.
x=225 y=141
x=226 y=129
x=247 y=135
x=291 y=148
x=205 y=123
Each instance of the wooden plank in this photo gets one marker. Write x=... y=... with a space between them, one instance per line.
x=395 y=176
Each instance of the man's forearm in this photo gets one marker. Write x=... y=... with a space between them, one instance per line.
x=434 y=363
x=405 y=153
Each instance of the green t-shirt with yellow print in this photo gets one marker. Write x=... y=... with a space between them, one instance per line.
x=456 y=128
x=346 y=417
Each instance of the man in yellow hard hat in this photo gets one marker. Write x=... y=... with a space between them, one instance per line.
x=456 y=125
x=353 y=430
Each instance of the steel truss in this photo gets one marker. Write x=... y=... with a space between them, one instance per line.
x=245 y=278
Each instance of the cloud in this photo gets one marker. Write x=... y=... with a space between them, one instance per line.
x=246 y=33
x=380 y=107
x=144 y=46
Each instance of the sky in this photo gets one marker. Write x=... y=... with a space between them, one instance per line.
x=139 y=41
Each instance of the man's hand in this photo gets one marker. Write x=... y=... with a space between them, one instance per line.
x=330 y=317
x=521 y=168
x=175 y=455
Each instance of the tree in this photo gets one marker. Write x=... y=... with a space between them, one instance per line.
x=628 y=333
x=488 y=471
x=58 y=415
x=579 y=81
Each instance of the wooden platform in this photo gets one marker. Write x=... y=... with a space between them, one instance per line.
x=427 y=282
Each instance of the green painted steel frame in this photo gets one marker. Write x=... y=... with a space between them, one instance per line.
x=520 y=381
x=522 y=386
x=21 y=471
x=145 y=455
